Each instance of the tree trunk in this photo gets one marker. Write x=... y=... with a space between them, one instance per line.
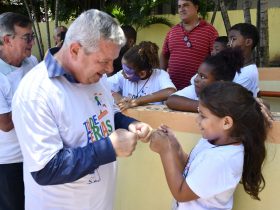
x=56 y=13
x=263 y=30
x=36 y=31
x=225 y=15
x=231 y=5
x=246 y=10
x=47 y=23
x=215 y=12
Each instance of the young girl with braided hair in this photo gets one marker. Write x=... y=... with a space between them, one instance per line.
x=232 y=149
x=140 y=81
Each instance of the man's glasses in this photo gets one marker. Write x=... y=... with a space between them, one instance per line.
x=28 y=38
x=187 y=41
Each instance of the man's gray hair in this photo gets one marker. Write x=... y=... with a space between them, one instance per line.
x=9 y=20
x=91 y=26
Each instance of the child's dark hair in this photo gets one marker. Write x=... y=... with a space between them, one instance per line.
x=143 y=56
x=223 y=40
x=249 y=127
x=130 y=32
x=226 y=63
x=248 y=31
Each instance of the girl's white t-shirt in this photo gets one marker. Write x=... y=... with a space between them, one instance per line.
x=157 y=81
x=213 y=173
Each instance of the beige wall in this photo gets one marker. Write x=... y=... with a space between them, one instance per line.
x=35 y=50
x=141 y=182
x=156 y=33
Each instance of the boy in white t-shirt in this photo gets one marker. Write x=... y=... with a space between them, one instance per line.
x=16 y=42
x=141 y=82
x=246 y=36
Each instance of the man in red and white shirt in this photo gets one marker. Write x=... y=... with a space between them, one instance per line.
x=187 y=44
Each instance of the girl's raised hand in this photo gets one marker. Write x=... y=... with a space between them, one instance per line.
x=163 y=139
x=159 y=141
x=171 y=136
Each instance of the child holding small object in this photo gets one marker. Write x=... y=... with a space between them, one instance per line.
x=232 y=149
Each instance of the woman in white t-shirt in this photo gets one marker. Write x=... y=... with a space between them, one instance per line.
x=220 y=67
x=232 y=149
x=141 y=82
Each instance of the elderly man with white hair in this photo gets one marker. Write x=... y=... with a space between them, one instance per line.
x=68 y=126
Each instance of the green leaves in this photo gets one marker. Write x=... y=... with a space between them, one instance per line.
x=137 y=13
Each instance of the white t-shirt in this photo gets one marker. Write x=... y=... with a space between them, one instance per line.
x=248 y=78
x=157 y=81
x=213 y=174
x=60 y=114
x=188 y=92
x=192 y=79
x=10 y=78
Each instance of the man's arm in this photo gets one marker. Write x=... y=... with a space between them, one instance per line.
x=70 y=164
x=163 y=61
x=49 y=161
x=6 y=123
x=141 y=129
x=181 y=103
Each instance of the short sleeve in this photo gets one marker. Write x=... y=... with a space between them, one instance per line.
x=211 y=175
x=115 y=82
x=165 y=47
x=188 y=92
x=248 y=78
x=5 y=95
x=37 y=132
x=165 y=81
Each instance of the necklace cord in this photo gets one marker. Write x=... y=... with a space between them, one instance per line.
x=141 y=87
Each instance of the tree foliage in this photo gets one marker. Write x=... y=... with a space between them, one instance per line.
x=137 y=13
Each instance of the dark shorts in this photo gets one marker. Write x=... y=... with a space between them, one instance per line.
x=11 y=187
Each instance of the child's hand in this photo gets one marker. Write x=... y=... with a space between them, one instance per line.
x=172 y=138
x=168 y=131
x=159 y=141
x=265 y=111
x=126 y=103
x=163 y=139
